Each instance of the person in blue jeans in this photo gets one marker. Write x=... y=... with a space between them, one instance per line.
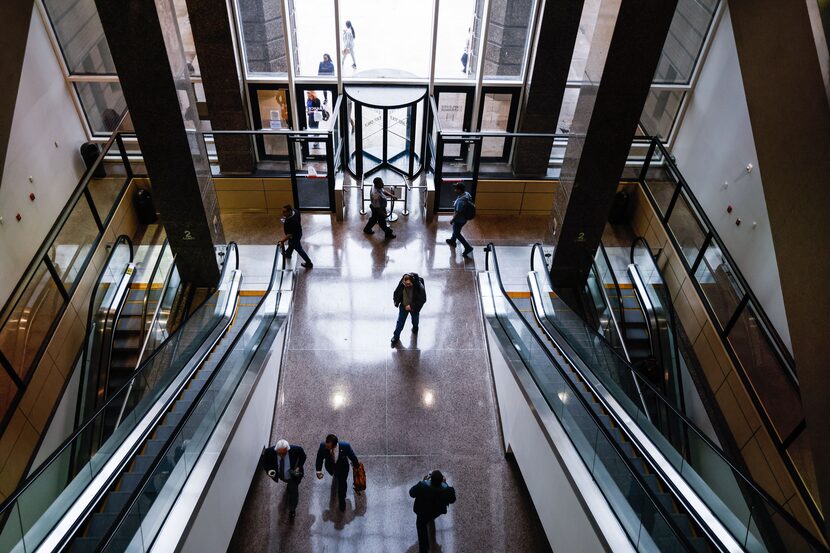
x=409 y=297
x=459 y=218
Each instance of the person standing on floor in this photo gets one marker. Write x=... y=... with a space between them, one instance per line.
x=432 y=497
x=377 y=207
x=348 y=43
x=409 y=297
x=284 y=462
x=462 y=207
x=325 y=68
x=293 y=230
x=335 y=456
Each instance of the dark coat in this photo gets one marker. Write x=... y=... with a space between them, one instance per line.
x=293 y=226
x=271 y=461
x=430 y=500
x=345 y=454
x=419 y=293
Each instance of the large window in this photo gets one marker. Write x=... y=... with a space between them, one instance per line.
x=388 y=38
x=508 y=32
x=459 y=33
x=263 y=36
x=315 y=46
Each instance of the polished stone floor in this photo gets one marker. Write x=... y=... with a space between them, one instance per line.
x=428 y=403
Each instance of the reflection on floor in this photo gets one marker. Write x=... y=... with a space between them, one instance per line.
x=425 y=404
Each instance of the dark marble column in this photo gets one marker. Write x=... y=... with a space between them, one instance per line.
x=263 y=35
x=790 y=117
x=211 y=26
x=149 y=58
x=605 y=121
x=15 y=19
x=546 y=86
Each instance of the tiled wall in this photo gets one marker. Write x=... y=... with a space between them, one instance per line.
x=20 y=440
x=517 y=197
x=253 y=194
x=756 y=446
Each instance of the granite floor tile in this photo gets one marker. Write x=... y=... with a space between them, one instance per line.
x=426 y=403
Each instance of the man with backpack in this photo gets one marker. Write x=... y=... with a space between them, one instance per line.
x=432 y=496
x=409 y=297
x=463 y=210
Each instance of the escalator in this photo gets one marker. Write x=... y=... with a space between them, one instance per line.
x=711 y=502
x=93 y=492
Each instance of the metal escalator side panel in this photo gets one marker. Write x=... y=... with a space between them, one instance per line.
x=95 y=489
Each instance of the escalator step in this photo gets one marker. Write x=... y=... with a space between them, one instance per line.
x=85 y=545
x=630 y=302
x=132 y=308
x=665 y=500
x=141 y=464
x=636 y=333
x=116 y=501
x=127 y=342
x=128 y=323
x=173 y=418
x=181 y=406
x=164 y=431
x=681 y=520
x=153 y=447
x=129 y=480
x=99 y=523
x=634 y=316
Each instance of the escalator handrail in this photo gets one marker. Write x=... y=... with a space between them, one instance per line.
x=689 y=424
x=660 y=509
x=617 y=324
x=146 y=300
x=92 y=312
x=11 y=499
x=171 y=439
x=617 y=288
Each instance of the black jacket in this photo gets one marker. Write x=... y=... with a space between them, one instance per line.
x=419 y=293
x=271 y=461
x=292 y=226
x=430 y=500
x=344 y=455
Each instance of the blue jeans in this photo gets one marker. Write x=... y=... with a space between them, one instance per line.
x=456 y=233
x=402 y=313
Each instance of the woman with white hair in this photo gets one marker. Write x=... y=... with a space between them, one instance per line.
x=284 y=462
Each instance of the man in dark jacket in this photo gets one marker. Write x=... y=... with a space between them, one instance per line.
x=285 y=462
x=432 y=496
x=293 y=230
x=409 y=297
x=335 y=455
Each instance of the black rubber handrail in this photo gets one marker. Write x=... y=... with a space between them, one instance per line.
x=615 y=282
x=667 y=518
x=146 y=300
x=171 y=439
x=122 y=239
x=9 y=501
x=746 y=480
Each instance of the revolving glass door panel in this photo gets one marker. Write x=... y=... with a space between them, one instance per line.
x=387 y=130
x=373 y=137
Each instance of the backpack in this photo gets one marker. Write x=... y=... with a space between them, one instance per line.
x=469 y=210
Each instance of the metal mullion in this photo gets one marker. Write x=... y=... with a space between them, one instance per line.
x=124 y=157
x=10 y=370
x=703 y=248
x=735 y=316
x=89 y=200
x=56 y=278
x=673 y=201
x=385 y=125
x=649 y=157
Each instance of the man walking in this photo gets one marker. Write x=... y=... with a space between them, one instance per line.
x=293 y=230
x=432 y=496
x=461 y=209
x=377 y=207
x=409 y=297
x=335 y=455
x=285 y=462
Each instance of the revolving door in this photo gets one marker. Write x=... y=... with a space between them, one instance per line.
x=386 y=130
